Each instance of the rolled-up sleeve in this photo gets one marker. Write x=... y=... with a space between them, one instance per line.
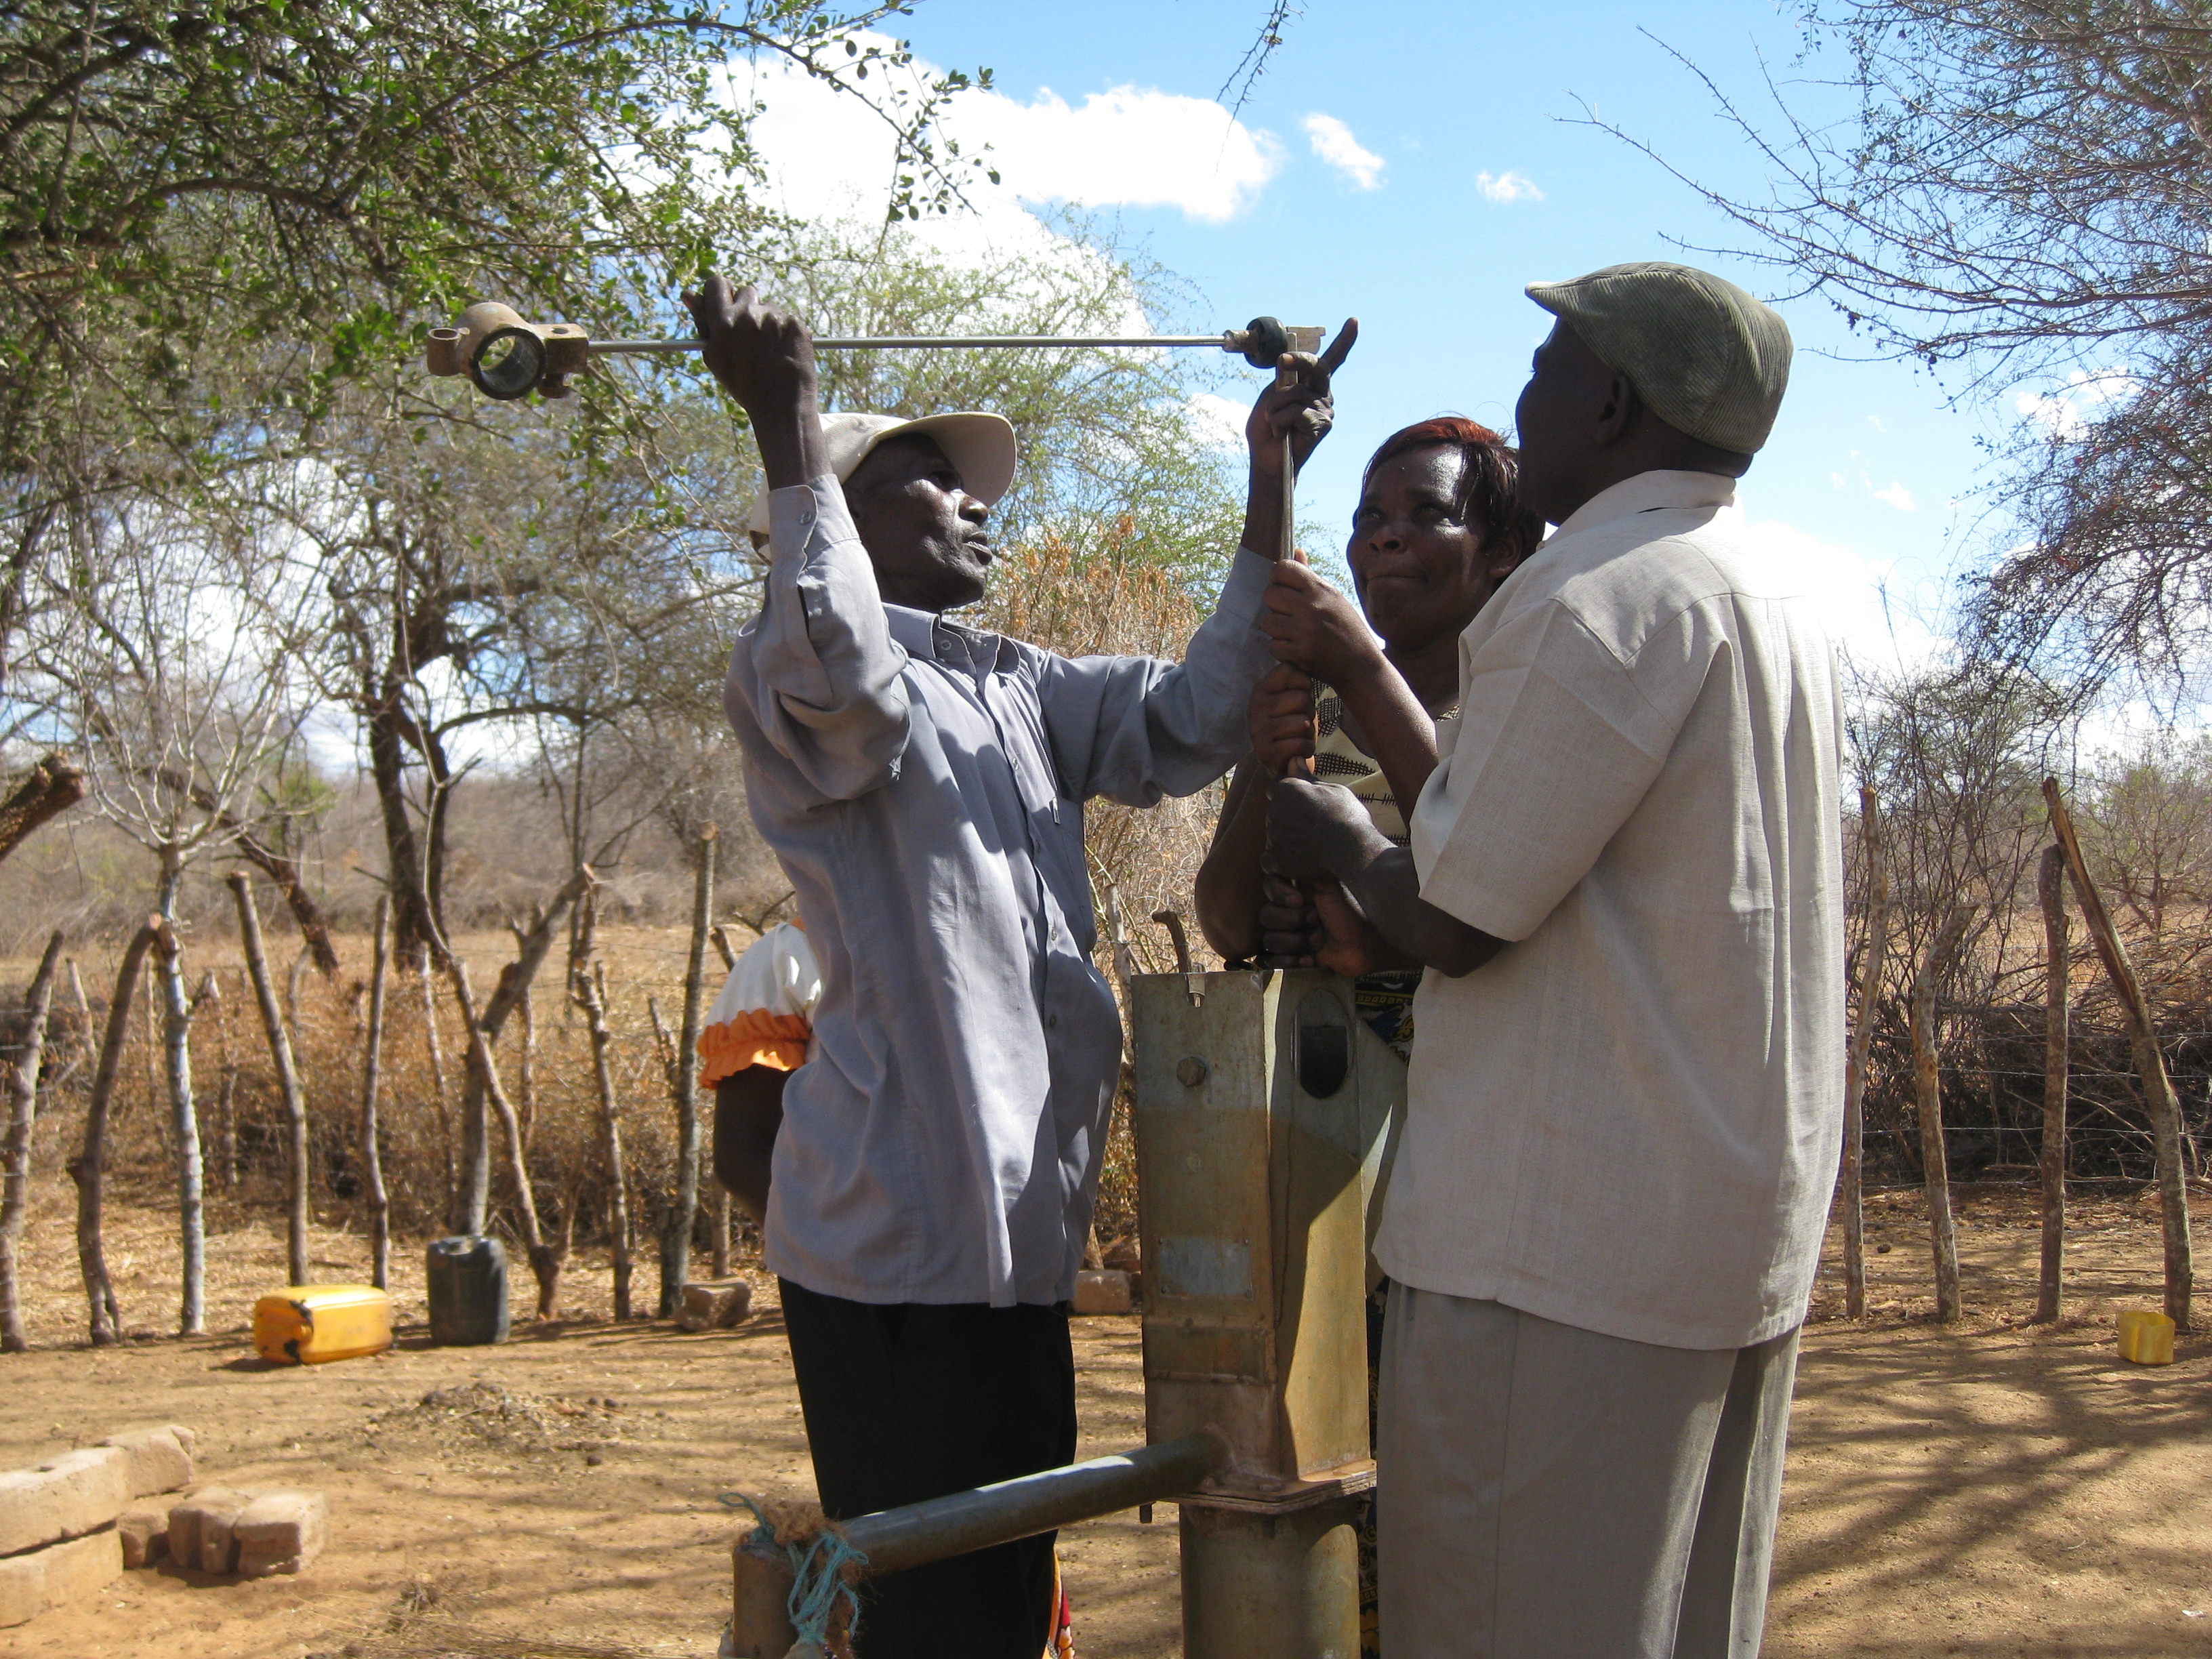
x=817 y=672
x=1133 y=729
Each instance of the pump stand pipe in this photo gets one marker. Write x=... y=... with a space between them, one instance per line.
x=963 y=1522
x=506 y=356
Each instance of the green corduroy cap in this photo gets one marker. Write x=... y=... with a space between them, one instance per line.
x=1709 y=359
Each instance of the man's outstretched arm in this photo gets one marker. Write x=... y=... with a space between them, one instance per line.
x=1319 y=831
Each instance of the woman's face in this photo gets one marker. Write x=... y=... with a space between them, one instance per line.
x=1419 y=569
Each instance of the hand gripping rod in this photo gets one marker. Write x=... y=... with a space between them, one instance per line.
x=508 y=357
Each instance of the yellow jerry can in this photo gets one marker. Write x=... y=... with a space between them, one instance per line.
x=2146 y=1338
x=309 y=1324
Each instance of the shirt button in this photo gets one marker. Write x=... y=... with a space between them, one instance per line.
x=1051 y=1021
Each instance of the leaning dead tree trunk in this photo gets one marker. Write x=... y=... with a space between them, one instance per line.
x=1927 y=1074
x=50 y=787
x=1851 y=1180
x=683 y=1213
x=2150 y=1064
x=472 y=1198
x=15 y=1180
x=591 y=994
x=483 y=1072
x=287 y=1080
x=372 y=1071
x=90 y=1172
x=2050 y=888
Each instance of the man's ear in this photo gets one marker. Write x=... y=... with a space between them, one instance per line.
x=1617 y=414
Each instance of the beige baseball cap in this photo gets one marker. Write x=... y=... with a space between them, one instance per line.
x=981 y=446
x=1710 y=359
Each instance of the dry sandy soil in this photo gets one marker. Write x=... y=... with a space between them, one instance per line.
x=1988 y=1489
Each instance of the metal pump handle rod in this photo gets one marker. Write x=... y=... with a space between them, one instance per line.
x=506 y=356
x=942 y=342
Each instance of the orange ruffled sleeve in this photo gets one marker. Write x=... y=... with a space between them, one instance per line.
x=753 y=1037
x=765 y=1014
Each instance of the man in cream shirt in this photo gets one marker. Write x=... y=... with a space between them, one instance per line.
x=1626 y=1096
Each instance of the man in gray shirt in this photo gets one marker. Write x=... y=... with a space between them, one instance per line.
x=922 y=784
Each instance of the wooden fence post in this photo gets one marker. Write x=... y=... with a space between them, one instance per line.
x=2150 y=1064
x=287 y=1080
x=1852 y=1180
x=2050 y=890
x=15 y=1182
x=683 y=1213
x=372 y=1071
x=591 y=994
x=1927 y=1072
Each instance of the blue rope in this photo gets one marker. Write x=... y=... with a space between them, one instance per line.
x=822 y=1573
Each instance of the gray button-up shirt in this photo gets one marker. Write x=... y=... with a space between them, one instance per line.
x=923 y=786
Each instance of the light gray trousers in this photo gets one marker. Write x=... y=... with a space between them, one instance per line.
x=1547 y=1492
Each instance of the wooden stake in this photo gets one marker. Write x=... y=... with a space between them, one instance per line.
x=2150 y=1064
x=15 y=1173
x=683 y=1213
x=184 y=1115
x=226 y=1100
x=1850 y=1185
x=2050 y=890
x=591 y=994
x=443 y=1100
x=473 y=1196
x=90 y=1171
x=288 y=1081
x=372 y=1066
x=483 y=1072
x=1936 y=1170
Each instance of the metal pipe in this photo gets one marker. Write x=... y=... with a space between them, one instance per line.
x=952 y=343
x=918 y=1534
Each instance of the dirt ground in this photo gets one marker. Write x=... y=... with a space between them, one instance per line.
x=1991 y=1488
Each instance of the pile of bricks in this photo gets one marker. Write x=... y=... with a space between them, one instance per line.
x=69 y=1526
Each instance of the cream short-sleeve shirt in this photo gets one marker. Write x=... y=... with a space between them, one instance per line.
x=1629 y=1119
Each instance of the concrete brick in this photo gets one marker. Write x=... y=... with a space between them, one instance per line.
x=714 y=1305
x=145 y=1531
x=66 y=1496
x=161 y=1457
x=281 y=1532
x=58 y=1576
x=200 y=1525
x=1102 y=1291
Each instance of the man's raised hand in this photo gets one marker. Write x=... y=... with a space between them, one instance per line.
x=1303 y=411
x=765 y=358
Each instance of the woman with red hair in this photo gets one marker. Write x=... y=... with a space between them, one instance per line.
x=1439 y=524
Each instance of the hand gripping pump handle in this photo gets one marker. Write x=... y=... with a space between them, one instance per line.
x=508 y=357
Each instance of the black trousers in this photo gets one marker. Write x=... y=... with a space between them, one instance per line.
x=910 y=1401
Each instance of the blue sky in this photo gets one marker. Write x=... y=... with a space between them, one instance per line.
x=1415 y=165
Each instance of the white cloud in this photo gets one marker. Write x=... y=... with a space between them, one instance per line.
x=1126 y=147
x=1220 y=421
x=1877 y=423
x=1877 y=617
x=1837 y=479
x=1897 y=497
x=2064 y=414
x=1333 y=142
x=1507 y=187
